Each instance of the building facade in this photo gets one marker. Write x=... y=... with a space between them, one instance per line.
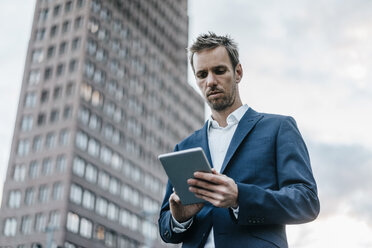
x=104 y=93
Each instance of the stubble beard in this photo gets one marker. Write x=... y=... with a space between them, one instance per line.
x=225 y=102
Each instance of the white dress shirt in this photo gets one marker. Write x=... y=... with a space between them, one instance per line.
x=219 y=139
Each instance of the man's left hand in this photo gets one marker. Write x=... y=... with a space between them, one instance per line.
x=218 y=189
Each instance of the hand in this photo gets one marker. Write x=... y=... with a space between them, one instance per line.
x=181 y=212
x=216 y=188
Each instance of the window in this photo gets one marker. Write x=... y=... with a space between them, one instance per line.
x=91 y=47
x=53 y=31
x=34 y=170
x=91 y=173
x=124 y=218
x=46 y=168
x=51 y=51
x=34 y=77
x=56 y=10
x=93 y=147
x=64 y=137
x=26 y=224
x=81 y=140
x=54 y=219
x=43 y=15
x=112 y=211
x=106 y=155
x=114 y=186
x=41 y=119
x=40 y=222
x=29 y=196
x=40 y=34
x=62 y=47
x=30 y=100
x=95 y=122
x=72 y=65
x=19 y=172
x=70 y=89
x=78 y=22
x=26 y=123
x=14 y=199
x=76 y=194
x=110 y=239
x=103 y=180
x=85 y=228
x=23 y=147
x=37 y=56
x=78 y=167
x=68 y=6
x=57 y=93
x=50 y=140
x=44 y=96
x=80 y=3
x=72 y=223
x=88 y=69
x=88 y=200
x=10 y=227
x=57 y=192
x=61 y=163
x=48 y=73
x=67 y=112
x=101 y=55
x=43 y=194
x=54 y=116
x=65 y=26
x=60 y=69
x=75 y=43
x=101 y=206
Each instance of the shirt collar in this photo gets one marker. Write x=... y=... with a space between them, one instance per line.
x=231 y=119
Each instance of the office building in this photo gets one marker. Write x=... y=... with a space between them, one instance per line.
x=104 y=93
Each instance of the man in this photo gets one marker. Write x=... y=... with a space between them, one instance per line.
x=261 y=178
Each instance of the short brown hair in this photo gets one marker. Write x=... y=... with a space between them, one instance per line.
x=210 y=41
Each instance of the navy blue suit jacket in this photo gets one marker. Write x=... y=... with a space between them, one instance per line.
x=269 y=162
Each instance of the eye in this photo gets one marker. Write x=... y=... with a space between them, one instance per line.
x=202 y=74
x=220 y=70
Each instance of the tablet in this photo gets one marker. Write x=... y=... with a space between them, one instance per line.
x=181 y=166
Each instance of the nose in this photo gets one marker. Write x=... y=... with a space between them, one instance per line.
x=211 y=80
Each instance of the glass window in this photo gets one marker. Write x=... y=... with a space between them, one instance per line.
x=114 y=186
x=60 y=69
x=103 y=180
x=34 y=77
x=75 y=43
x=78 y=22
x=54 y=116
x=89 y=69
x=29 y=196
x=57 y=93
x=41 y=119
x=95 y=122
x=57 y=193
x=37 y=143
x=65 y=26
x=97 y=99
x=91 y=173
x=40 y=34
x=10 y=227
x=61 y=163
x=72 y=65
x=80 y=3
x=88 y=200
x=19 y=172
x=76 y=193
x=43 y=193
x=93 y=147
x=40 y=222
x=56 y=10
x=101 y=55
x=34 y=170
x=81 y=140
x=86 y=228
x=14 y=199
x=106 y=154
x=68 y=6
x=43 y=15
x=26 y=224
x=50 y=140
x=46 y=168
x=126 y=192
x=116 y=161
x=53 y=31
x=23 y=147
x=78 y=166
x=72 y=223
x=101 y=206
x=99 y=76
x=70 y=89
x=37 y=56
x=112 y=211
x=30 y=100
x=48 y=73
x=54 y=219
x=44 y=96
x=67 y=112
x=62 y=47
x=51 y=51
x=124 y=218
x=64 y=137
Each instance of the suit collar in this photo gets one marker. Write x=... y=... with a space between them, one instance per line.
x=248 y=121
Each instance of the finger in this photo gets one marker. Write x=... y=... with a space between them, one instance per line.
x=175 y=198
x=213 y=178
x=213 y=201
x=206 y=193
x=214 y=171
x=202 y=184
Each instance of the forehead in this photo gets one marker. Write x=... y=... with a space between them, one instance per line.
x=211 y=58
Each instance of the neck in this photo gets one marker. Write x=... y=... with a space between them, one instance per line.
x=221 y=116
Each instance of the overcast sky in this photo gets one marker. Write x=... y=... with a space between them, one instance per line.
x=308 y=59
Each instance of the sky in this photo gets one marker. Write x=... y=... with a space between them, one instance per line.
x=307 y=59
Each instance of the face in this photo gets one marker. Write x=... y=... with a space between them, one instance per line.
x=216 y=78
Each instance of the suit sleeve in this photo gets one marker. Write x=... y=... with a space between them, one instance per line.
x=295 y=199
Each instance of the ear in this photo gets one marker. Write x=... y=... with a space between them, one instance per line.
x=238 y=73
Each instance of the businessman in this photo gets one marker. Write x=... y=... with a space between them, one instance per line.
x=261 y=178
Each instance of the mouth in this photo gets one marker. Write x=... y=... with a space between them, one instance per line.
x=213 y=93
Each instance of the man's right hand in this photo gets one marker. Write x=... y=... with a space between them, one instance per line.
x=181 y=212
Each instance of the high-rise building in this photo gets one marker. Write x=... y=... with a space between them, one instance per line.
x=104 y=93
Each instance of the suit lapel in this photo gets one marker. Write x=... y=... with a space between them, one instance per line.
x=203 y=137
x=245 y=125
